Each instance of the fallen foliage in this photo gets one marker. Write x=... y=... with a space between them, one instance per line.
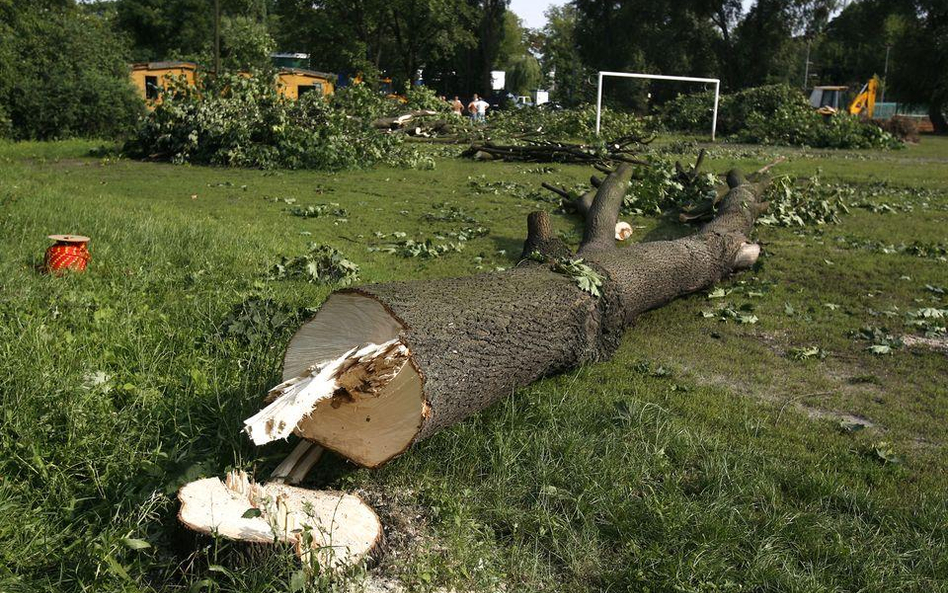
x=237 y=121
x=578 y=123
x=810 y=203
x=322 y=264
x=774 y=114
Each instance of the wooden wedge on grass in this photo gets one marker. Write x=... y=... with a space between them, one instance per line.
x=326 y=529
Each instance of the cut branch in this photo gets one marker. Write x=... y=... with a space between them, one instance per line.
x=399 y=121
x=541 y=240
x=581 y=204
x=603 y=215
x=551 y=152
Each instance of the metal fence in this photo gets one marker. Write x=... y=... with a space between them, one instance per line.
x=888 y=110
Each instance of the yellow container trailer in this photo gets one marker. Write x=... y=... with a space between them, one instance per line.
x=293 y=83
x=150 y=78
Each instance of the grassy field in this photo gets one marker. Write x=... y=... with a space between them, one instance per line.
x=706 y=456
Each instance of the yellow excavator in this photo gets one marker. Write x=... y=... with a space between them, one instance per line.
x=828 y=99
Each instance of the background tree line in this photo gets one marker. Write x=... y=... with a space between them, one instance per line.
x=62 y=63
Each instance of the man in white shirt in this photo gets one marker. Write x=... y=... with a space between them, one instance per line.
x=478 y=109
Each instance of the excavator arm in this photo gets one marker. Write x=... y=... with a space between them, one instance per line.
x=865 y=101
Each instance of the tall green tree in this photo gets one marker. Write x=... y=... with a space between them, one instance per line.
x=773 y=40
x=343 y=36
x=246 y=44
x=562 y=62
x=427 y=32
x=395 y=37
x=766 y=50
x=63 y=73
x=854 y=45
x=168 y=29
x=725 y=16
x=654 y=36
x=475 y=64
x=515 y=57
x=920 y=54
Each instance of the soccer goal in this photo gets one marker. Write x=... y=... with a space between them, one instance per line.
x=715 y=81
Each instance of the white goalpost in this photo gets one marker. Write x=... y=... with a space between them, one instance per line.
x=715 y=81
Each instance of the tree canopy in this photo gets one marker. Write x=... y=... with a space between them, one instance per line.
x=63 y=73
x=453 y=45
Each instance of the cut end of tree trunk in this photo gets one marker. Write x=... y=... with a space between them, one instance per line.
x=746 y=256
x=360 y=373
x=623 y=231
x=331 y=529
x=366 y=402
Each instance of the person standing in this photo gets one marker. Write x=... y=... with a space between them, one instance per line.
x=478 y=109
x=482 y=107
x=457 y=107
x=472 y=108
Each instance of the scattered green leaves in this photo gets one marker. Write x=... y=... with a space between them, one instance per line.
x=880 y=340
x=885 y=451
x=256 y=320
x=806 y=353
x=447 y=212
x=812 y=203
x=585 y=277
x=322 y=264
x=318 y=210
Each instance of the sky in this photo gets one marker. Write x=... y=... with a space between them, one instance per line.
x=531 y=11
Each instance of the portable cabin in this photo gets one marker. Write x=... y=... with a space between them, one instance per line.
x=293 y=83
x=150 y=77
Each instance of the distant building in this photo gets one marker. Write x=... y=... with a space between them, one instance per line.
x=150 y=78
x=293 y=83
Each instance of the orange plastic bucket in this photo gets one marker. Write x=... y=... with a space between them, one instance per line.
x=68 y=253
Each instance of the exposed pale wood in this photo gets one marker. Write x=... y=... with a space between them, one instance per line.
x=294 y=468
x=361 y=372
x=344 y=530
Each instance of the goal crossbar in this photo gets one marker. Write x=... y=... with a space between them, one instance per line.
x=715 y=81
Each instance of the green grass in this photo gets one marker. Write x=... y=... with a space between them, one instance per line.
x=702 y=457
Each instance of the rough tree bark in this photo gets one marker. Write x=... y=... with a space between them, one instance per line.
x=538 y=151
x=451 y=347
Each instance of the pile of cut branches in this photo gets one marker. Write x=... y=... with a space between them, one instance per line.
x=661 y=188
x=236 y=121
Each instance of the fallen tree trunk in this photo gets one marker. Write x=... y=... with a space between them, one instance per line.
x=383 y=366
x=552 y=152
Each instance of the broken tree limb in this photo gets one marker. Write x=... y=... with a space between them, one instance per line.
x=603 y=214
x=294 y=468
x=582 y=203
x=471 y=341
x=551 y=152
x=399 y=121
x=358 y=373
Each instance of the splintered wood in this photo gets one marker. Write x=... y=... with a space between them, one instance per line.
x=361 y=372
x=330 y=529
